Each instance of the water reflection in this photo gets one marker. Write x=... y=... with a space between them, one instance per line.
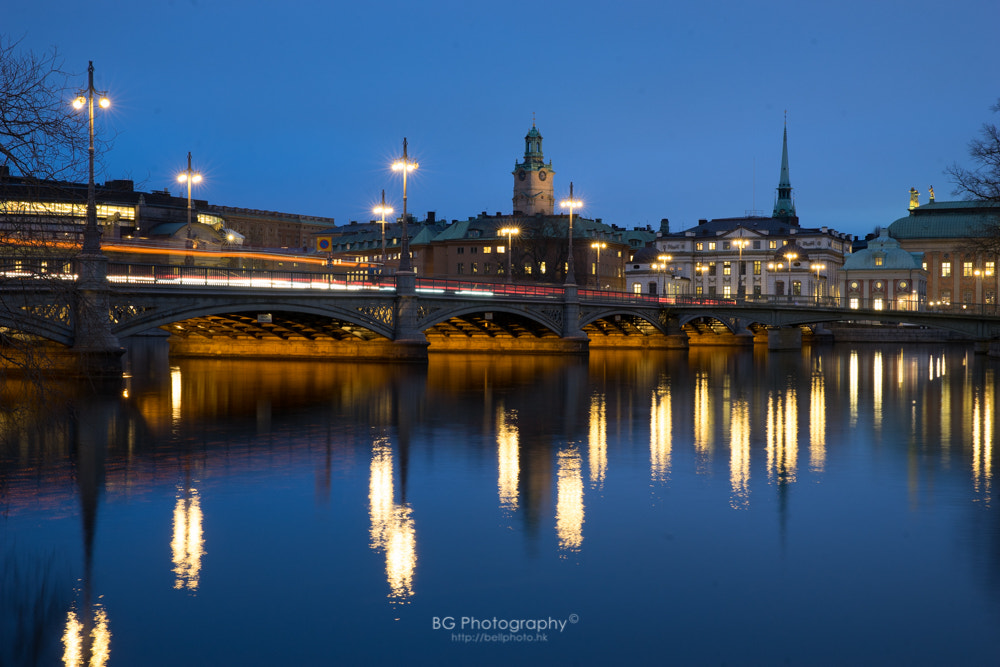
x=392 y=527
x=739 y=454
x=660 y=433
x=569 y=499
x=597 y=451
x=817 y=420
x=187 y=545
x=474 y=433
x=508 y=459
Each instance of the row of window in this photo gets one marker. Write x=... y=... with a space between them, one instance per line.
x=475 y=249
x=772 y=244
x=969 y=269
x=488 y=268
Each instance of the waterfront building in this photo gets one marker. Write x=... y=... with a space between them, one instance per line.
x=46 y=210
x=959 y=274
x=884 y=276
x=484 y=247
x=747 y=257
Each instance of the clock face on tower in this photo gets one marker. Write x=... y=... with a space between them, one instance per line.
x=542 y=175
x=521 y=175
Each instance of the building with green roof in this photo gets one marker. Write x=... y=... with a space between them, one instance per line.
x=958 y=274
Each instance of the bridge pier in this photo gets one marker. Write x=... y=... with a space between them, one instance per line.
x=409 y=342
x=96 y=351
x=574 y=339
x=784 y=338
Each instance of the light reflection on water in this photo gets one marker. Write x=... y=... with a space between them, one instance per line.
x=534 y=494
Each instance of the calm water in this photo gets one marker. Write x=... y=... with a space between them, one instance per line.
x=834 y=506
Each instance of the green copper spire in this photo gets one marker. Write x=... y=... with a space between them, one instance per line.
x=784 y=207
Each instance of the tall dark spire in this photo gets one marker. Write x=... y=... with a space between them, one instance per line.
x=784 y=207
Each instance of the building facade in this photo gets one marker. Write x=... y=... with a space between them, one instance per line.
x=746 y=257
x=883 y=276
x=959 y=274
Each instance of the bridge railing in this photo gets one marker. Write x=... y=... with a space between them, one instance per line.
x=488 y=289
x=210 y=276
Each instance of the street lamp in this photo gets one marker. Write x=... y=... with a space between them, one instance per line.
x=740 y=287
x=818 y=266
x=406 y=166
x=597 y=245
x=382 y=210
x=189 y=176
x=663 y=267
x=775 y=266
x=91 y=235
x=791 y=257
x=510 y=232
x=570 y=204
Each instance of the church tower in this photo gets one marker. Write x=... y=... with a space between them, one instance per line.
x=533 y=191
x=784 y=206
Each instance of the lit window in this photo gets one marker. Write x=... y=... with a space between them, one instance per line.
x=475 y=267
x=727 y=291
x=711 y=245
x=727 y=269
x=500 y=249
x=486 y=250
x=699 y=246
x=541 y=267
x=967 y=269
x=636 y=288
x=945 y=269
x=756 y=267
x=989 y=268
x=772 y=244
x=878 y=260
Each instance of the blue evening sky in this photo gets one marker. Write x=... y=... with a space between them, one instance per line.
x=652 y=109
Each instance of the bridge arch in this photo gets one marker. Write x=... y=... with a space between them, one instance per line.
x=545 y=320
x=378 y=319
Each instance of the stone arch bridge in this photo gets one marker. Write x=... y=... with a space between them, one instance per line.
x=230 y=312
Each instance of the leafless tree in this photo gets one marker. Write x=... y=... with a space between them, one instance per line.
x=43 y=143
x=981 y=182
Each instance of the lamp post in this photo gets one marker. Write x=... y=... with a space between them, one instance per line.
x=404 y=165
x=510 y=232
x=791 y=257
x=663 y=267
x=570 y=204
x=91 y=235
x=740 y=287
x=189 y=176
x=775 y=266
x=597 y=245
x=818 y=266
x=382 y=210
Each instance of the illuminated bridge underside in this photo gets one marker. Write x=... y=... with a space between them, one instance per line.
x=283 y=326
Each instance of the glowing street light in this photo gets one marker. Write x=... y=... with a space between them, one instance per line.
x=571 y=204
x=382 y=210
x=817 y=267
x=597 y=245
x=510 y=232
x=791 y=257
x=740 y=287
x=189 y=176
x=663 y=267
x=91 y=235
x=404 y=165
